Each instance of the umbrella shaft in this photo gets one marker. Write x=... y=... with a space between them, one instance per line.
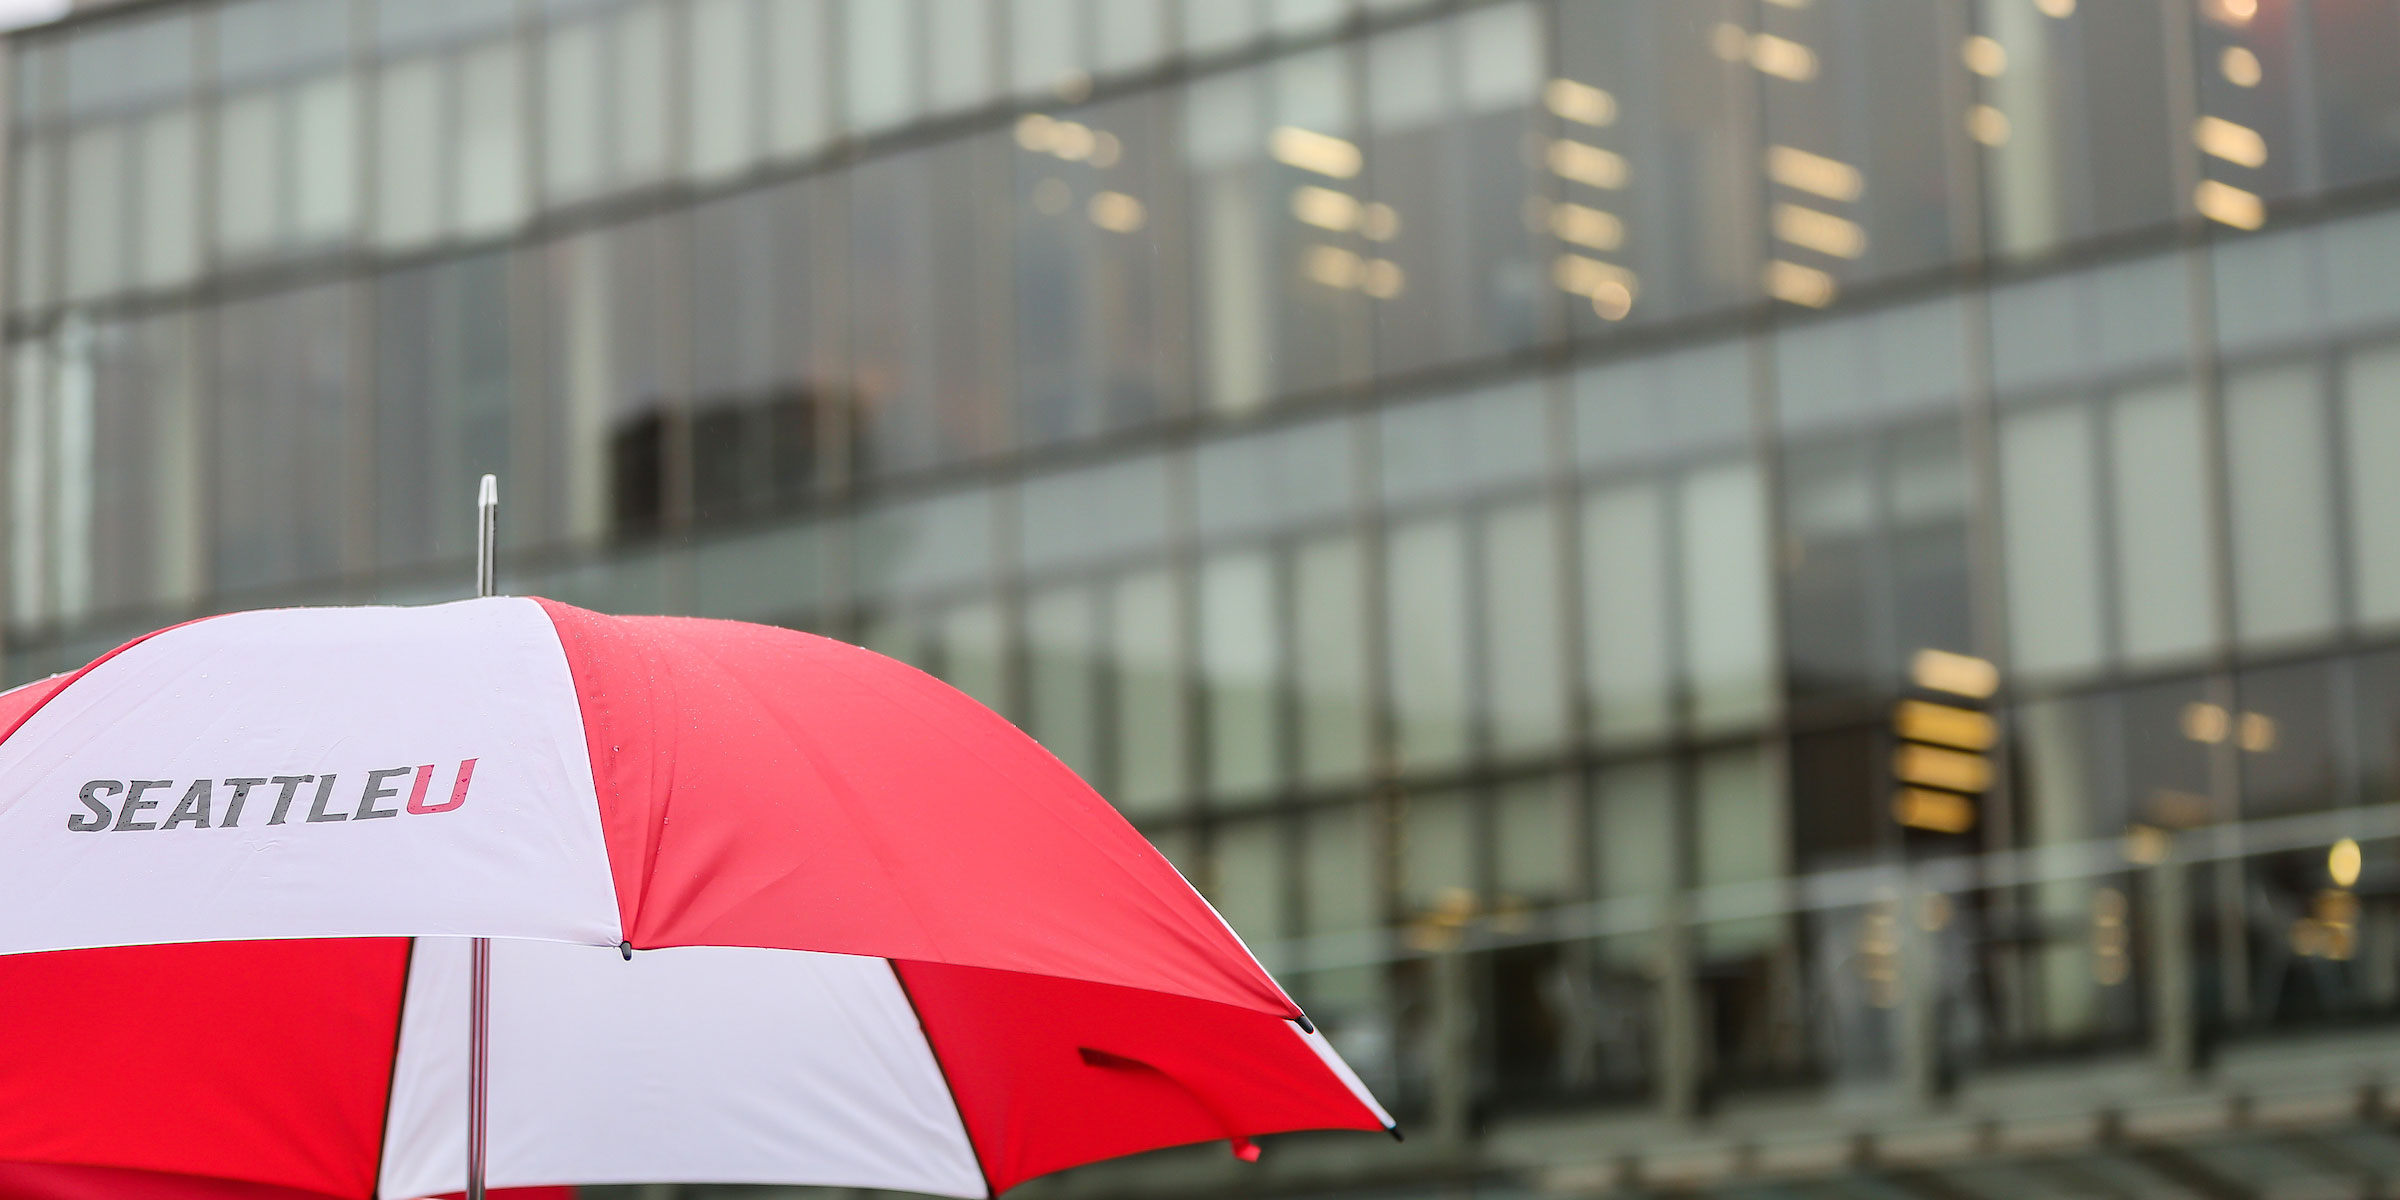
x=478 y=1064
x=479 y=1002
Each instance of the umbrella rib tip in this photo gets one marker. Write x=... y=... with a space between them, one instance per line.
x=626 y=949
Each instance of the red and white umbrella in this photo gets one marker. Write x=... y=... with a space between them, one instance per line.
x=776 y=910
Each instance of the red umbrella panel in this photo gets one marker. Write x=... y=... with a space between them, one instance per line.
x=780 y=910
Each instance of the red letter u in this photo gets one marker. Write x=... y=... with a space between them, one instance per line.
x=458 y=792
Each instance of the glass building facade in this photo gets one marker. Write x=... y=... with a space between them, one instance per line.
x=1480 y=484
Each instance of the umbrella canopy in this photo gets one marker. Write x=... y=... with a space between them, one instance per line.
x=785 y=911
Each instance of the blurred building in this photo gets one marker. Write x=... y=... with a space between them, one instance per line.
x=1744 y=597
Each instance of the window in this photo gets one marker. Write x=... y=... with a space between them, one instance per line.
x=799 y=95
x=1428 y=601
x=723 y=101
x=35 y=234
x=1645 y=92
x=283 y=427
x=921 y=296
x=169 y=220
x=2051 y=534
x=97 y=208
x=1446 y=260
x=410 y=134
x=882 y=65
x=2075 y=126
x=572 y=116
x=1629 y=643
x=1146 y=633
x=491 y=164
x=959 y=53
x=1329 y=653
x=1524 y=633
x=2371 y=395
x=1729 y=635
x=1097 y=250
x=1738 y=824
x=1439 y=851
x=324 y=164
x=2166 y=599
x=2282 y=506
x=638 y=96
x=1249 y=878
x=443 y=403
x=1239 y=650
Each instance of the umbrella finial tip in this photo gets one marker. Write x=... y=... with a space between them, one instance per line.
x=624 y=948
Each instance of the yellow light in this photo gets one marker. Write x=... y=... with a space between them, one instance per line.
x=1814 y=173
x=1587 y=165
x=1819 y=231
x=1034 y=132
x=1957 y=674
x=2147 y=844
x=2240 y=66
x=1332 y=266
x=1117 y=212
x=1729 y=41
x=1988 y=125
x=1382 y=278
x=1587 y=276
x=1936 y=767
x=1985 y=56
x=2236 y=144
x=1795 y=284
x=1612 y=299
x=2229 y=205
x=1072 y=140
x=1379 y=222
x=1309 y=150
x=2342 y=863
x=1106 y=149
x=2257 y=732
x=1586 y=226
x=2061 y=9
x=1580 y=102
x=2206 y=722
x=1943 y=724
x=1783 y=58
x=2235 y=12
x=1325 y=208
x=1936 y=812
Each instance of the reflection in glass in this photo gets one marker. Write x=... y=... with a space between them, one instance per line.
x=722 y=104
x=1239 y=646
x=2282 y=506
x=1329 y=653
x=282 y=473
x=1627 y=590
x=2050 y=530
x=2166 y=601
x=1146 y=636
x=1428 y=602
x=1728 y=632
x=1247 y=885
x=491 y=164
x=410 y=166
x=97 y=210
x=1524 y=636
x=2371 y=400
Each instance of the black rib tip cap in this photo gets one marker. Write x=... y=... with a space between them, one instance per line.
x=1303 y=1022
x=626 y=949
x=1394 y=1130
